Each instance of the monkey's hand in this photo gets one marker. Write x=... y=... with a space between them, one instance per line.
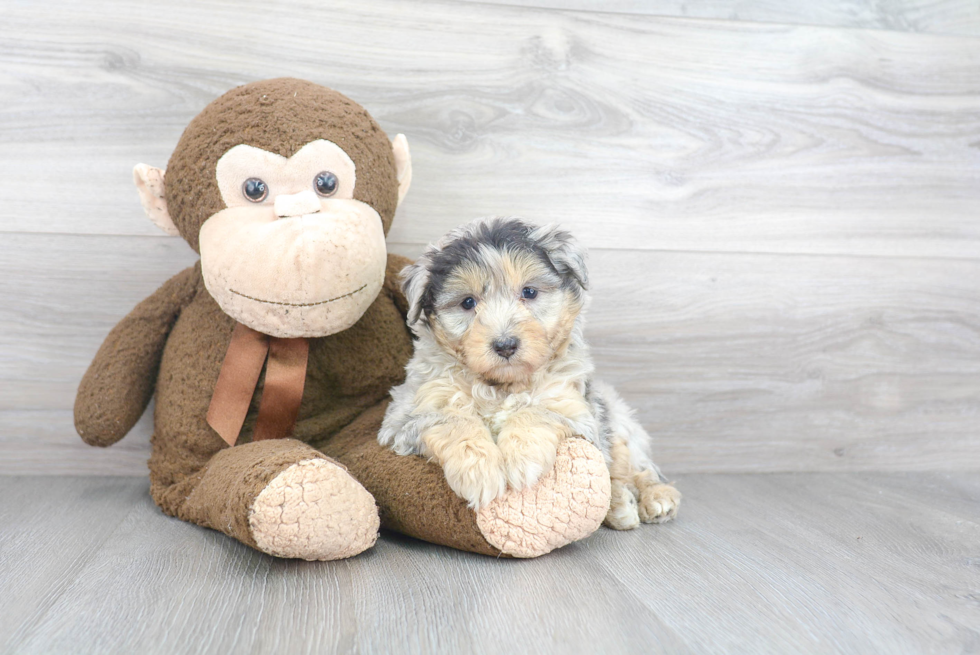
x=529 y=443
x=470 y=460
x=119 y=383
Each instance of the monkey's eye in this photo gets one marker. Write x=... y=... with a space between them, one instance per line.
x=468 y=303
x=529 y=292
x=255 y=189
x=326 y=183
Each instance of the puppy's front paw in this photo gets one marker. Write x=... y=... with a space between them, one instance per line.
x=658 y=502
x=528 y=453
x=623 y=511
x=475 y=471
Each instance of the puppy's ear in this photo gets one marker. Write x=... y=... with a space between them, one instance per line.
x=563 y=251
x=415 y=279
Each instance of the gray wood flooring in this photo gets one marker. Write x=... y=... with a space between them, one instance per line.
x=775 y=563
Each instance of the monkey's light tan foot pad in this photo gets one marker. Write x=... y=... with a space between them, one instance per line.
x=567 y=504
x=314 y=510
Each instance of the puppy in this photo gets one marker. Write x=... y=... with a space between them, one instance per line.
x=501 y=371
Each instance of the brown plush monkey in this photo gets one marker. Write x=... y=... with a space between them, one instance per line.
x=272 y=357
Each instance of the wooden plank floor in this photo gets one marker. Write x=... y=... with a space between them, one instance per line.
x=756 y=563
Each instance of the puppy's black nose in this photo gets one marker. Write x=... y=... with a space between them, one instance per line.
x=506 y=347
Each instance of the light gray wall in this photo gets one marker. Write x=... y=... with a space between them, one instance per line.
x=782 y=200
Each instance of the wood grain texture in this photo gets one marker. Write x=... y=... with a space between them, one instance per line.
x=637 y=131
x=936 y=16
x=53 y=529
x=763 y=362
x=734 y=361
x=783 y=218
x=754 y=564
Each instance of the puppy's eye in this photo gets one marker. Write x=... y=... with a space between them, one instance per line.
x=468 y=303
x=255 y=189
x=326 y=184
x=529 y=292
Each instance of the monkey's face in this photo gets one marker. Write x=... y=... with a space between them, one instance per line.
x=287 y=190
x=293 y=254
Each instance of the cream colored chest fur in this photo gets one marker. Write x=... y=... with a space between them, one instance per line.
x=548 y=389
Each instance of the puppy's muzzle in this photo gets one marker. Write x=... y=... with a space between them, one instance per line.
x=506 y=347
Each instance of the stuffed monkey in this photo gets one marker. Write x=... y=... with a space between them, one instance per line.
x=272 y=357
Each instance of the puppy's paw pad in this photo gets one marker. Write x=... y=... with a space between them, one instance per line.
x=658 y=503
x=623 y=509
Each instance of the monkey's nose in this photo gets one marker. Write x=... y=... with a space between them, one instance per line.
x=506 y=347
x=297 y=204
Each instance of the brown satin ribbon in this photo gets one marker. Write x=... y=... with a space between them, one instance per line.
x=285 y=377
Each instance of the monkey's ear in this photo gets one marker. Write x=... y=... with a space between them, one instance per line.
x=149 y=183
x=415 y=279
x=403 y=165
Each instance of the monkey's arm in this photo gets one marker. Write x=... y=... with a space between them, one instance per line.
x=119 y=382
x=392 y=284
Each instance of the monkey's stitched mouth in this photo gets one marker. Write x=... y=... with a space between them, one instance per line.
x=300 y=304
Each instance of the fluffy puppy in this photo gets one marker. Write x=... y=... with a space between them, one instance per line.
x=501 y=371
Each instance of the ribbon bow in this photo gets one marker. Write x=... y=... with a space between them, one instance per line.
x=285 y=377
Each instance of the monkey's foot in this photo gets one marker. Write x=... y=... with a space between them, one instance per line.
x=567 y=504
x=314 y=510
